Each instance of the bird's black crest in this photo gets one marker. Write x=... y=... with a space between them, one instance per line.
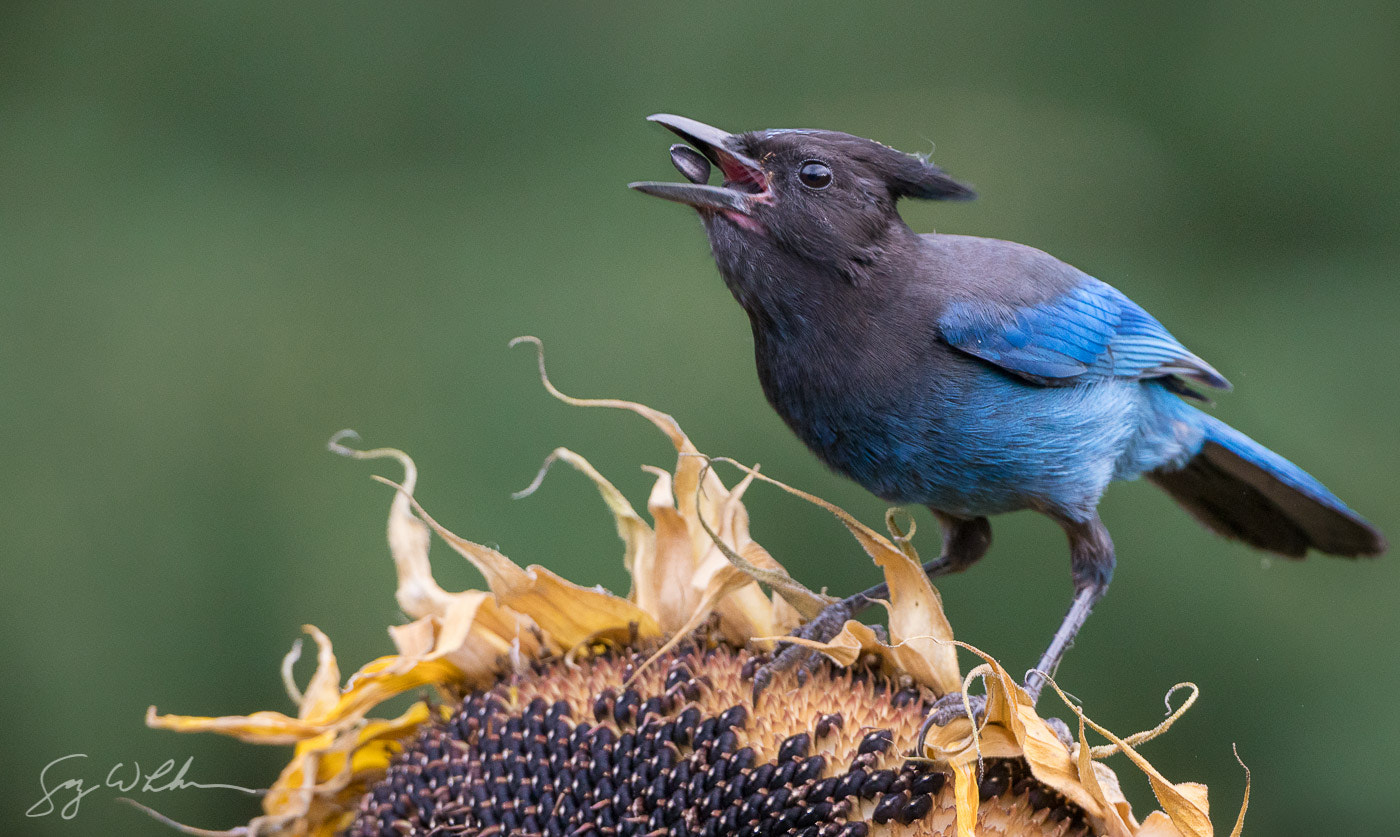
x=914 y=177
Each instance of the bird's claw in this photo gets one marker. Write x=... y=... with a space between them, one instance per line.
x=821 y=628
x=950 y=707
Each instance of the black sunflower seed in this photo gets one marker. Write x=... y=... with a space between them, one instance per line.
x=690 y=163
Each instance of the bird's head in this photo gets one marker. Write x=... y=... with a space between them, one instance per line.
x=822 y=197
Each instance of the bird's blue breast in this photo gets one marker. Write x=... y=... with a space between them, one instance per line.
x=975 y=441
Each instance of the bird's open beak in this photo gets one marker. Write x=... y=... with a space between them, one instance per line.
x=745 y=182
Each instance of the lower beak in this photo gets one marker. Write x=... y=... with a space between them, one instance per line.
x=719 y=147
x=700 y=196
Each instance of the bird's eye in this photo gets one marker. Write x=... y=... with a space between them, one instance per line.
x=814 y=174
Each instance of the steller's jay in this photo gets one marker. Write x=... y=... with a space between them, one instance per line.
x=971 y=375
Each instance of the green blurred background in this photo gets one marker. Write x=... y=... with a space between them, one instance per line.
x=229 y=230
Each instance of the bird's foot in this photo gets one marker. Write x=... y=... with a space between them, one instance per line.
x=950 y=708
x=788 y=655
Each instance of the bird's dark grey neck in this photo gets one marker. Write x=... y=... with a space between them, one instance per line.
x=791 y=296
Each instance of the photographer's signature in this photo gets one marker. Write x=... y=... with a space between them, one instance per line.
x=65 y=796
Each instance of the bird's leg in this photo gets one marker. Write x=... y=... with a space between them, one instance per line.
x=964 y=541
x=1091 y=564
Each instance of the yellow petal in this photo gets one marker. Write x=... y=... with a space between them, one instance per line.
x=965 y=797
x=257 y=728
x=1009 y=710
x=665 y=423
x=416 y=638
x=475 y=636
x=418 y=594
x=668 y=583
x=324 y=689
x=846 y=647
x=373 y=684
x=1112 y=793
x=569 y=614
x=730 y=543
x=1157 y=824
x=1244 y=803
x=919 y=631
x=572 y=615
x=744 y=607
x=721 y=584
x=1185 y=803
x=638 y=556
x=748 y=612
x=326 y=765
x=1095 y=779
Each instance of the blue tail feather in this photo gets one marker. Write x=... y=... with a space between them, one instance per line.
x=1241 y=489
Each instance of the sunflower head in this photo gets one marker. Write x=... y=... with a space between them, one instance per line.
x=551 y=708
x=676 y=745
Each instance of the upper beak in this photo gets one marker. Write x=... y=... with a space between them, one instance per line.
x=720 y=148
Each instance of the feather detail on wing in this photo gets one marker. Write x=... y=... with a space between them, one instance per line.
x=1091 y=331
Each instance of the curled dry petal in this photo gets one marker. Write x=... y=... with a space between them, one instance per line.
x=1012 y=724
x=919 y=631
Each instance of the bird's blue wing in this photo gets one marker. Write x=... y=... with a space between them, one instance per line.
x=1090 y=331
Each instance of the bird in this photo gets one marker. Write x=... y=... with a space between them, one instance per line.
x=971 y=375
